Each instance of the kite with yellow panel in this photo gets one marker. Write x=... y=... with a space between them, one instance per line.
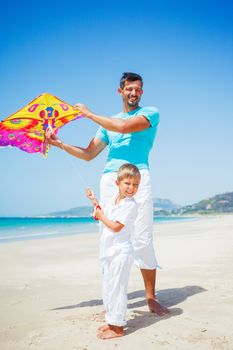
x=26 y=128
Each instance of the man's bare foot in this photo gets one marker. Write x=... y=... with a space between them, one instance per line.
x=157 y=308
x=111 y=332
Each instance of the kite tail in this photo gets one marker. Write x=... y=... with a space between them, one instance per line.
x=46 y=146
x=46 y=150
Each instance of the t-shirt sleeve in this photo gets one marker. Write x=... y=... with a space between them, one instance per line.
x=152 y=114
x=102 y=135
x=127 y=213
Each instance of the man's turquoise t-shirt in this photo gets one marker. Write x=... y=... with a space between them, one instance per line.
x=133 y=147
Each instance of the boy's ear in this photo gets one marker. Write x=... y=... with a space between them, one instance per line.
x=117 y=182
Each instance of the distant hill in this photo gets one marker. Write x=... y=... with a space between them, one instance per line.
x=159 y=205
x=221 y=203
x=164 y=204
x=81 y=212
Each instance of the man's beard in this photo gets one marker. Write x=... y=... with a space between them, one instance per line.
x=133 y=103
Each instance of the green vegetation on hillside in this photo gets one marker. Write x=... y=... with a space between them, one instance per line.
x=221 y=203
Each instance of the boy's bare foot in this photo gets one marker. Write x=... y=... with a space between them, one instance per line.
x=103 y=328
x=157 y=308
x=111 y=332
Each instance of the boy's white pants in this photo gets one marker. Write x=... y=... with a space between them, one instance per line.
x=115 y=281
x=142 y=238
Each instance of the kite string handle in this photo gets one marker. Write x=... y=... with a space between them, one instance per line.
x=96 y=207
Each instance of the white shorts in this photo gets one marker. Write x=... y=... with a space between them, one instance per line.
x=142 y=238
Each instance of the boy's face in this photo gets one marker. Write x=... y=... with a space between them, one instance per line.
x=128 y=186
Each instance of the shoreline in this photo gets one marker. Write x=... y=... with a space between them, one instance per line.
x=50 y=292
x=24 y=229
x=89 y=217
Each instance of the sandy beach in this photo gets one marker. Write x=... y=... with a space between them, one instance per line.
x=50 y=292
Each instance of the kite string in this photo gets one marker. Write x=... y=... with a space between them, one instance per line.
x=75 y=167
x=70 y=159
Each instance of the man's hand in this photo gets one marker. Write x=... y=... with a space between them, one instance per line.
x=84 y=110
x=52 y=139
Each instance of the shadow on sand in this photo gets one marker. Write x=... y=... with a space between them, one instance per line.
x=167 y=297
x=141 y=319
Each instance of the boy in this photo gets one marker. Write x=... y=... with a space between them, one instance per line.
x=116 y=252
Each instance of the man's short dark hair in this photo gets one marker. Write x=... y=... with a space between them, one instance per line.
x=129 y=77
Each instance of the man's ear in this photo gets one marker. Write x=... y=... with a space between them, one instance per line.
x=117 y=182
x=119 y=90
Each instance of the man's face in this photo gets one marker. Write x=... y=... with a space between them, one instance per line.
x=131 y=92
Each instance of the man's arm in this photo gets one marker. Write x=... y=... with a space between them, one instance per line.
x=134 y=124
x=91 y=151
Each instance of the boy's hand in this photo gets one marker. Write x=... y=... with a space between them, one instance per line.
x=90 y=194
x=98 y=213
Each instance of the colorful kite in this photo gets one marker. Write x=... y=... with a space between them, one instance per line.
x=26 y=128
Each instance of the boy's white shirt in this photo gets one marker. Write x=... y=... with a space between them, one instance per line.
x=114 y=243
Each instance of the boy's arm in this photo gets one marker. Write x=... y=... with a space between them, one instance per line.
x=112 y=225
x=90 y=194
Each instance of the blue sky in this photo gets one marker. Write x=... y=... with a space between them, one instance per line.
x=78 y=50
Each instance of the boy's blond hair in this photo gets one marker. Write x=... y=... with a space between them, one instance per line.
x=128 y=170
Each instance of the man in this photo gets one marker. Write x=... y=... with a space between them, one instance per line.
x=130 y=136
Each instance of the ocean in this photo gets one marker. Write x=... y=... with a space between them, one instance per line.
x=26 y=228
